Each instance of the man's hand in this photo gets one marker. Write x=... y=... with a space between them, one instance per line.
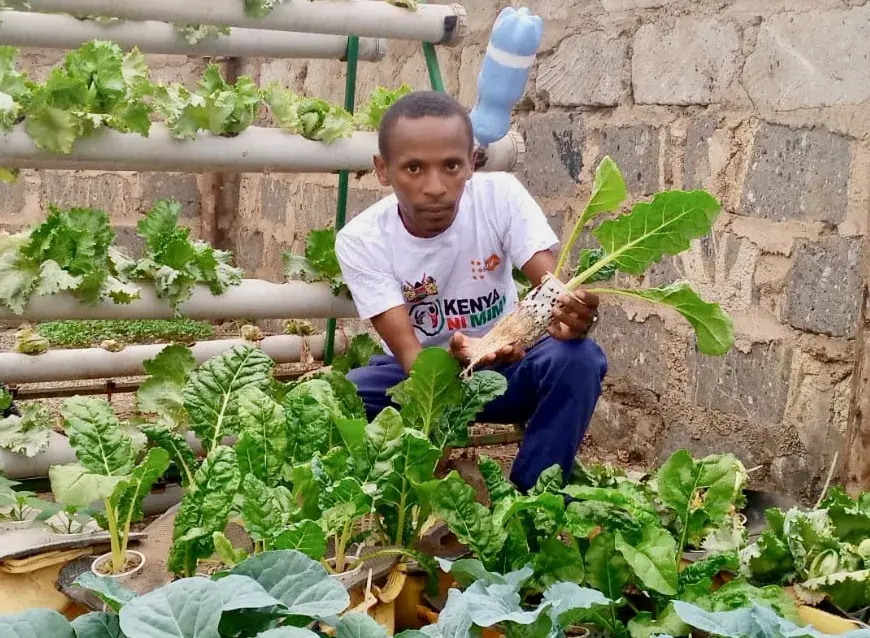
x=574 y=315
x=461 y=347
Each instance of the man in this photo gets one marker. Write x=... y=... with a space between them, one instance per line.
x=431 y=265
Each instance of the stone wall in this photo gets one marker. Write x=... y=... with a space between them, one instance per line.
x=765 y=104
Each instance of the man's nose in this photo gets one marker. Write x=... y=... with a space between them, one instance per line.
x=434 y=186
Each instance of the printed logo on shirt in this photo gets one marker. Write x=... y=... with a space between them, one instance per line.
x=419 y=290
x=427 y=317
x=462 y=314
x=492 y=262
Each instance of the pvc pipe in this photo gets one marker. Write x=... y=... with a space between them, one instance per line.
x=97 y=363
x=439 y=24
x=255 y=150
x=252 y=298
x=57 y=31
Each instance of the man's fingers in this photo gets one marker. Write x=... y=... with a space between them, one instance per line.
x=574 y=321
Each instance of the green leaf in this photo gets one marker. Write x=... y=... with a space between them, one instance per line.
x=212 y=392
x=431 y=388
x=204 y=510
x=454 y=502
x=106 y=589
x=35 y=623
x=850 y=518
x=306 y=537
x=653 y=559
x=713 y=327
x=362 y=348
x=129 y=493
x=97 y=624
x=588 y=258
x=12 y=82
x=360 y=626
x=162 y=392
x=497 y=485
x=262 y=446
x=179 y=450
x=95 y=435
x=607 y=569
x=608 y=191
x=186 y=608
x=27 y=434
x=243 y=592
x=668 y=624
x=260 y=510
x=52 y=129
x=320 y=251
x=557 y=562
x=483 y=387
x=382 y=98
x=229 y=555
x=569 y=603
x=345 y=393
x=73 y=485
x=300 y=583
x=664 y=226
x=849 y=591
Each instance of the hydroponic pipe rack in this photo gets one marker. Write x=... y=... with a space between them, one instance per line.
x=436 y=23
x=257 y=149
x=252 y=298
x=97 y=363
x=57 y=31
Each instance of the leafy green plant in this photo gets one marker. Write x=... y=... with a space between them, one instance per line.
x=89 y=332
x=629 y=244
x=18 y=505
x=29 y=341
x=370 y=115
x=107 y=471
x=312 y=118
x=27 y=434
x=360 y=351
x=175 y=262
x=66 y=519
x=319 y=263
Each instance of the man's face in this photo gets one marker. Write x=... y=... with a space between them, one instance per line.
x=429 y=161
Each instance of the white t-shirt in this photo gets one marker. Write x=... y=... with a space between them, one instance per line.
x=460 y=280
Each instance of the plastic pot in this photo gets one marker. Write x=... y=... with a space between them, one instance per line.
x=123 y=577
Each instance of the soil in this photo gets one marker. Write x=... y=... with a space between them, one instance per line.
x=132 y=562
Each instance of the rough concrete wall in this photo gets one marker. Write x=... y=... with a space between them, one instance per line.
x=765 y=104
x=125 y=196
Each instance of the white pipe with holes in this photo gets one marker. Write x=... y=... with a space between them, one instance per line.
x=57 y=31
x=255 y=150
x=430 y=22
x=252 y=298
x=97 y=363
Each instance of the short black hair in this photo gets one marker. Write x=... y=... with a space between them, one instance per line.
x=422 y=104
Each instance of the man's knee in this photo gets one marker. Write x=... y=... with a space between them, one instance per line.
x=577 y=359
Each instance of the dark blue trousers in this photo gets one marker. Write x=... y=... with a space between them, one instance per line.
x=552 y=391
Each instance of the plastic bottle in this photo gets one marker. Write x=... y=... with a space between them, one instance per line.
x=513 y=45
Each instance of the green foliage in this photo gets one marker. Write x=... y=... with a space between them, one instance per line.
x=90 y=332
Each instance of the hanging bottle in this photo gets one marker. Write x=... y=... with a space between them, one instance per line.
x=513 y=45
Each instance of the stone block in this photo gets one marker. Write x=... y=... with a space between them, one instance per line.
x=635 y=351
x=554 y=147
x=810 y=59
x=12 y=198
x=798 y=174
x=752 y=386
x=276 y=199
x=128 y=240
x=107 y=192
x=791 y=475
x=180 y=187
x=635 y=149
x=693 y=63
x=588 y=69
x=249 y=251
x=617 y=427
x=824 y=286
x=696 y=166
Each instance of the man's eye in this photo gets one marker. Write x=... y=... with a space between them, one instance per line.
x=414 y=168
x=452 y=166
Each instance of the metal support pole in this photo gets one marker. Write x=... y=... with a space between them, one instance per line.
x=343 y=176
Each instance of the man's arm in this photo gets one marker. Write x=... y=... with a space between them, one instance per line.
x=395 y=329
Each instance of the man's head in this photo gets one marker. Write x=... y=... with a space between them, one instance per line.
x=426 y=154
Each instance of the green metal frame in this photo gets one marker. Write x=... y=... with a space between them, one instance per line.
x=437 y=83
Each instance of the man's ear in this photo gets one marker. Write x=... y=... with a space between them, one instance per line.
x=381 y=170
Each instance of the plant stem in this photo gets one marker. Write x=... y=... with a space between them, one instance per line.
x=566 y=249
x=117 y=554
x=401 y=525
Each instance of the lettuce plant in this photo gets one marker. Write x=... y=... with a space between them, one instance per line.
x=27 y=434
x=629 y=244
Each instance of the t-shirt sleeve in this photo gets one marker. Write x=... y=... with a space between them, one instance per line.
x=528 y=230
x=373 y=287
